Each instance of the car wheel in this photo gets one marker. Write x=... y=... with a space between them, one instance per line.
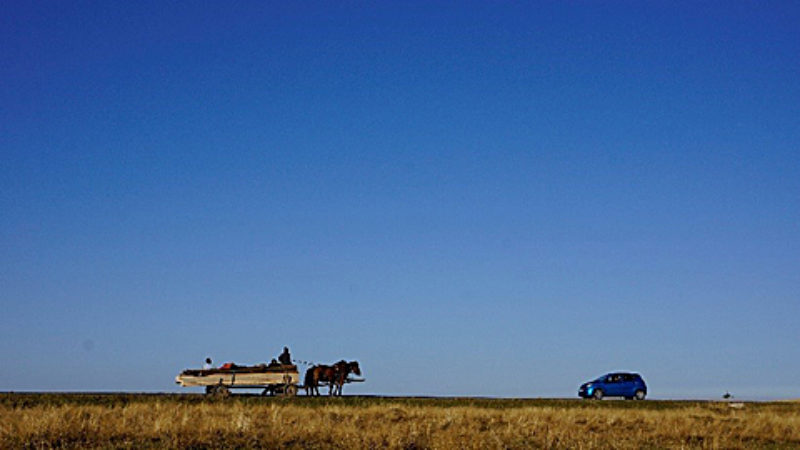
x=639 y=395
x=597 y=394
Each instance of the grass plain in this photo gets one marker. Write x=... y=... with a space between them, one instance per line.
x=188 y=420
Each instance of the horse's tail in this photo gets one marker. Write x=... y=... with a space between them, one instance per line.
x=309 y=382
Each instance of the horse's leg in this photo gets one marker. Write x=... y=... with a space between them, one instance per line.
x=316 y=382
x=338 y=386
x=340 y=378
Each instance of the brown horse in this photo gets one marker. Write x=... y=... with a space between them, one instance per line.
x=317 y=374
x=343 y=369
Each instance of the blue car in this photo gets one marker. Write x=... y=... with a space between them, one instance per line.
x=617 y=384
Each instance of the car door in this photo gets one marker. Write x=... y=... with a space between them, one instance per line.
x=626 y=385
x=612 y=385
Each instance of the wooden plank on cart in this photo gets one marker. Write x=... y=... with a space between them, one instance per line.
x=248 y=377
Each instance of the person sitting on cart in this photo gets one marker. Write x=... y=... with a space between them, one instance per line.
x=285 y=358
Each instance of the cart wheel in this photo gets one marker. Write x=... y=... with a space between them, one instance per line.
x=223 y=391
x=218 y=391
x=290 y=390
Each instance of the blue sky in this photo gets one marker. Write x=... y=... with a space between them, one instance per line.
x=469 y=198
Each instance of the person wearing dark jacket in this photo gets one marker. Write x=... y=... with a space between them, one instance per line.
x=285 y=358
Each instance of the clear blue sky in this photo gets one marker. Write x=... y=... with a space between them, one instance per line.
x=468 y=198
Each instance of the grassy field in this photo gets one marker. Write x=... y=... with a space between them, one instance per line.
x=140 y=420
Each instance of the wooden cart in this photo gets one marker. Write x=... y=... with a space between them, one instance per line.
x=279 y=379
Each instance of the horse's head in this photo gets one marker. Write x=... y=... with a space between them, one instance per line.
x=353 y=365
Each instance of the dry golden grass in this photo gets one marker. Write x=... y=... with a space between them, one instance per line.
x=387 y=424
